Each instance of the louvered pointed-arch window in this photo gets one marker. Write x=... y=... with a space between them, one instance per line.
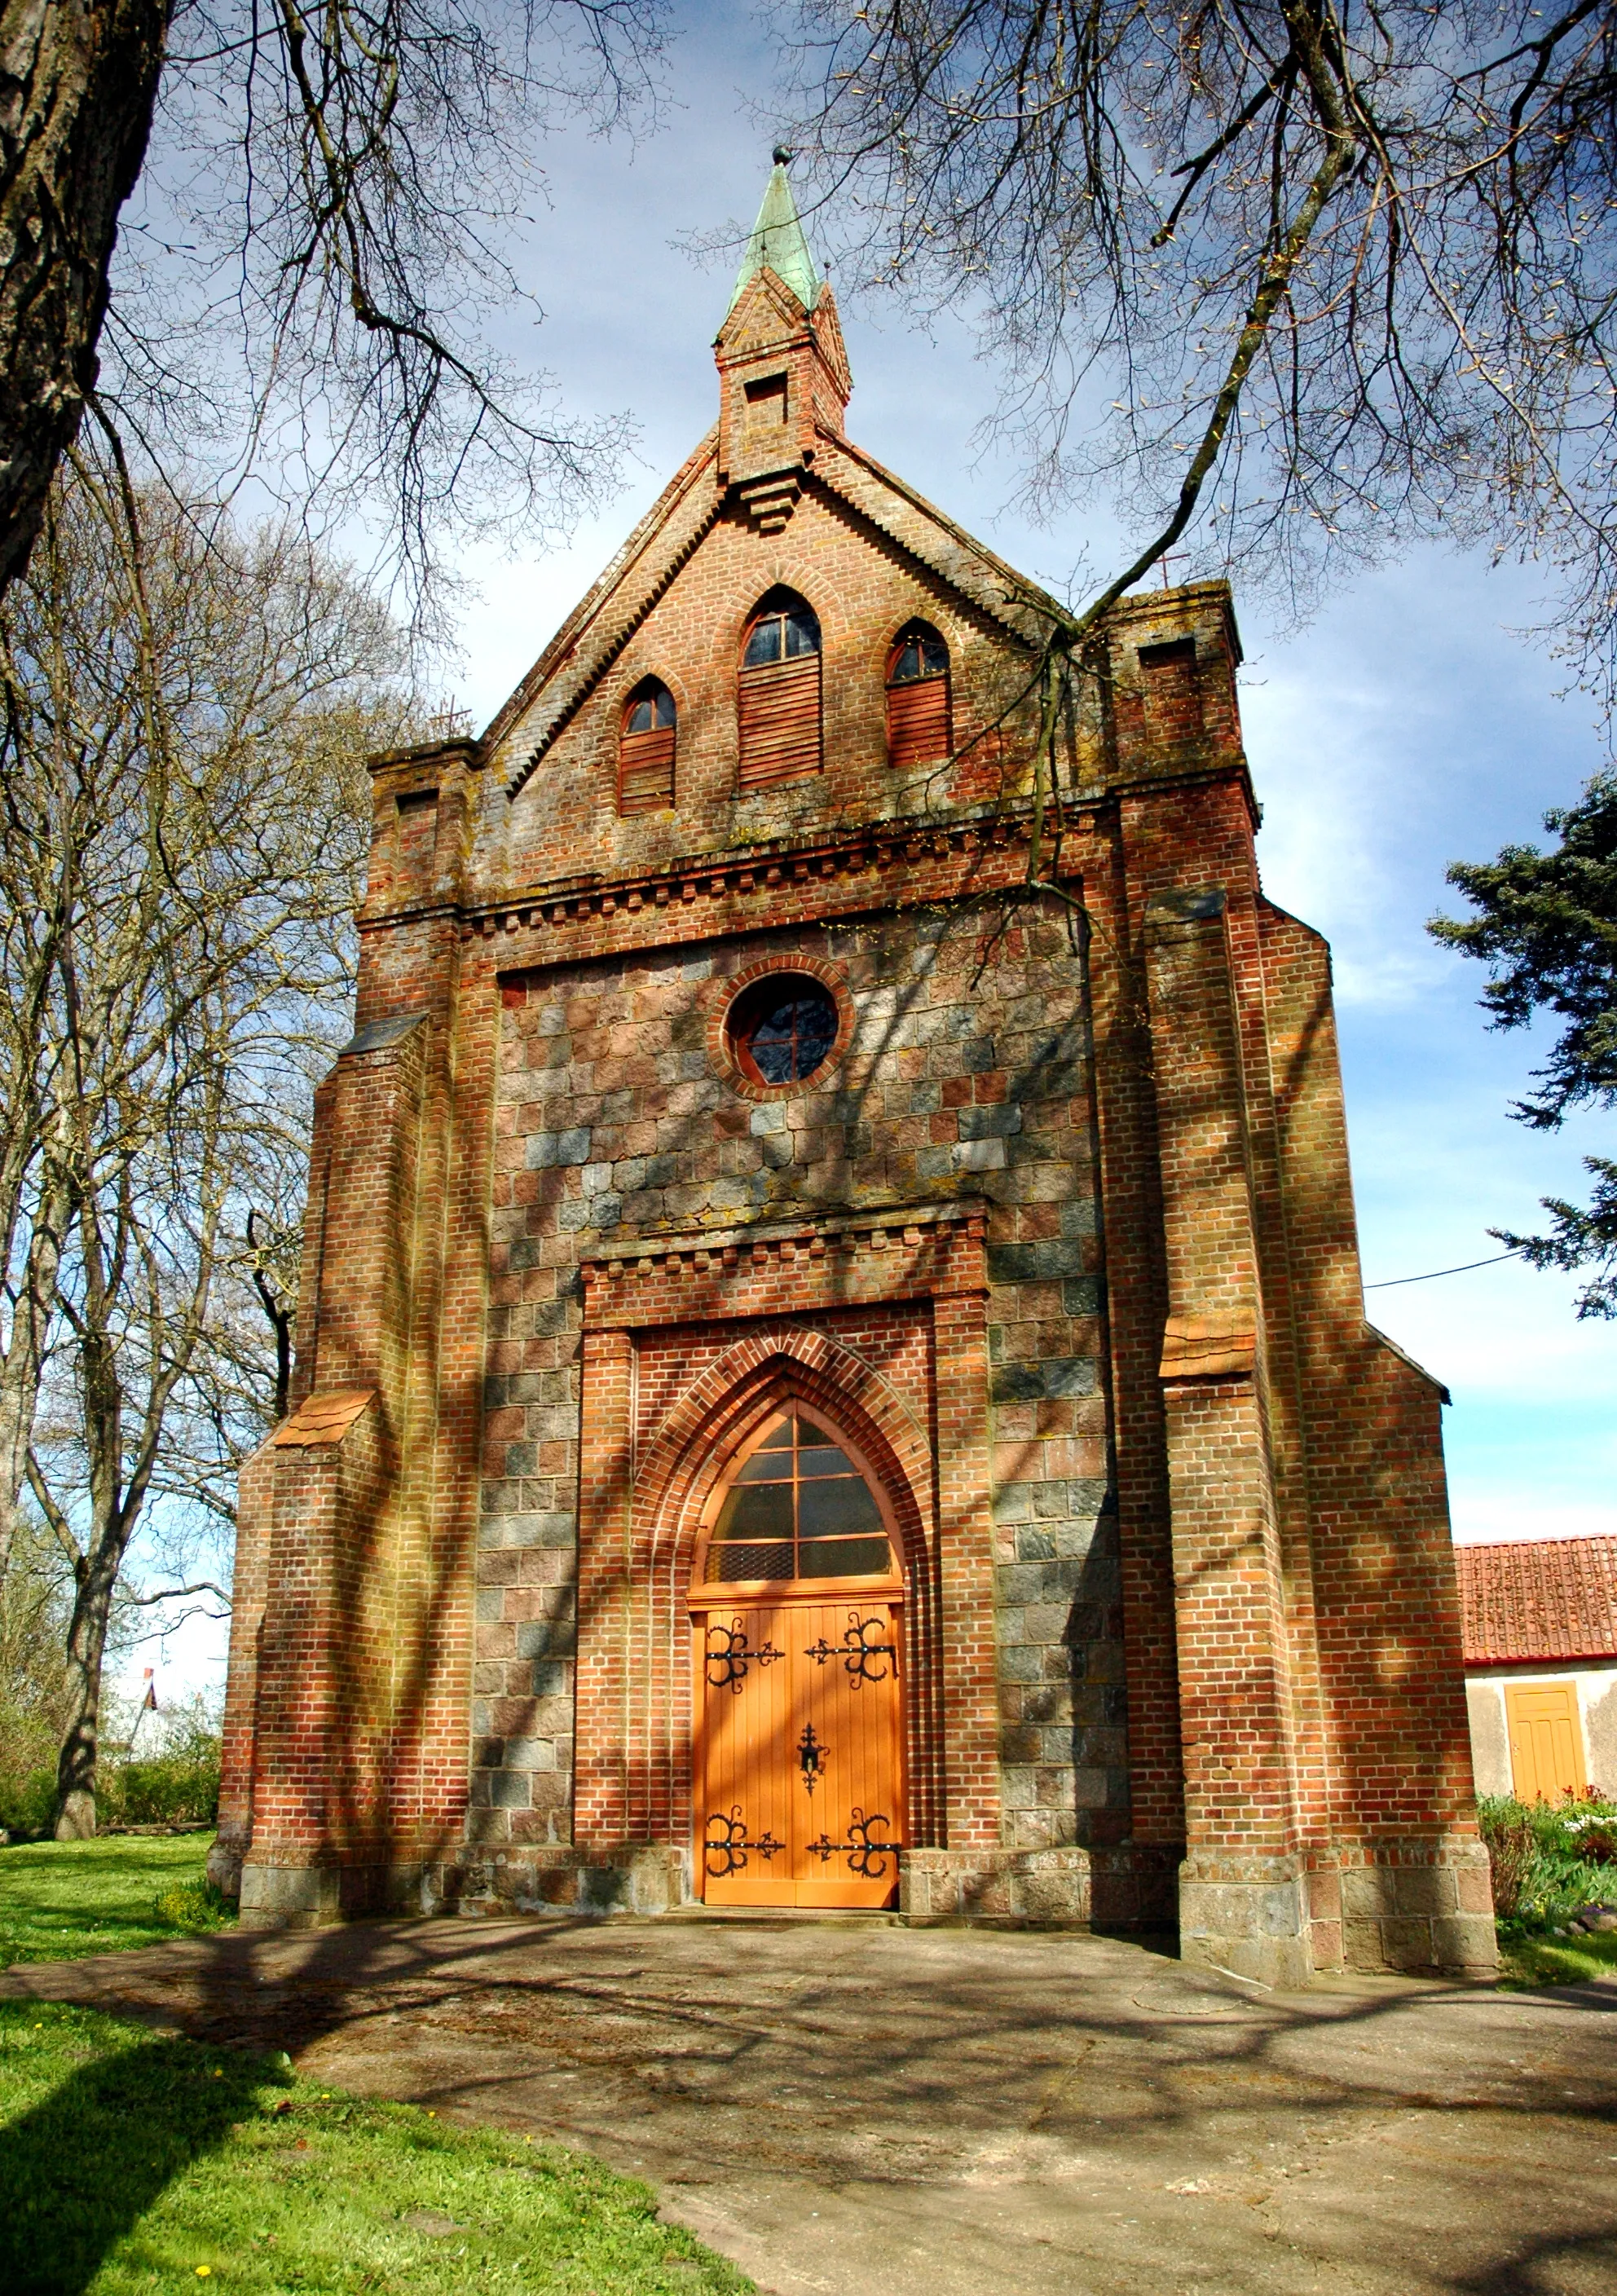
x=917 y=698
x=779 y=692
x=645 y=749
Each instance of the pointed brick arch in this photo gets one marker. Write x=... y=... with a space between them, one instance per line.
x=634 y=1746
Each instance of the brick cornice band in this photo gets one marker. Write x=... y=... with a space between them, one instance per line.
x=920 y=1251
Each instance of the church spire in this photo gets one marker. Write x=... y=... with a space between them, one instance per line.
x=778 y=241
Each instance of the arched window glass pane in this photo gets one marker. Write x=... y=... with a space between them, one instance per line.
x=920 y=652
x=763 y=645
x=798 y=1508
x=650 y=708
x=802 y=631
x=783 y=633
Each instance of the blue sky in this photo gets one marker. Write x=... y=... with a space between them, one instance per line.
x=1403 y=728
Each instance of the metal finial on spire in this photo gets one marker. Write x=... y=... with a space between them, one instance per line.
x=778 y=241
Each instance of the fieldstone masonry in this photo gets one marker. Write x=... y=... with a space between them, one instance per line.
x=1061 y=1232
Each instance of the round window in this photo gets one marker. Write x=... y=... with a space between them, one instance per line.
x=781 y=1029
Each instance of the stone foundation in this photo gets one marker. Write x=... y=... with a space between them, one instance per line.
x=1417 y=1908
x=291 y=1897
x=1422 y=1907
x=632 y=1878
x=1248 y=1915
x=1118 y=1888
x=995 y=1885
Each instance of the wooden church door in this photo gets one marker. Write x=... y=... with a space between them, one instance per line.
x=798 y=1721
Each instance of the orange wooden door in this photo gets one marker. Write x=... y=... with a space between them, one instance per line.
x=850 y=1820
x=798 y=1754
x=743 y=1750
x=1546 y=1741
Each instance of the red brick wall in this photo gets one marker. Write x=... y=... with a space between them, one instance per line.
x=564 y=823
x=1385 y=1598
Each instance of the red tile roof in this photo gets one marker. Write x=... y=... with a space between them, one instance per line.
x=1539 y=1598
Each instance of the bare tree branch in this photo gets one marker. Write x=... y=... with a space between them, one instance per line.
x=315 y=242
x=1295 y=281
x=173 y=1595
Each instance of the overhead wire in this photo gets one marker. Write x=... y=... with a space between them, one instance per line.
x=1392 y=1283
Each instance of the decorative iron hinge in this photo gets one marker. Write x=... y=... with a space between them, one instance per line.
x=727 y=1838
x=856 y=1650
x=732 y=1654
x=867 y=1857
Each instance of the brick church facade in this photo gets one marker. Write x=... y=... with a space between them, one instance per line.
x=832 y=1364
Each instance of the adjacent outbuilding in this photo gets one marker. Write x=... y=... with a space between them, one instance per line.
x=1541 y=1623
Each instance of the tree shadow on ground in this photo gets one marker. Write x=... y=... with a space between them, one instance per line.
x=1543 y=2264
x=1136 y=2065
x=80 y=2168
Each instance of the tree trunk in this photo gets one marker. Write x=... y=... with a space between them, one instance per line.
x=81 y=1740
x=22 y=1368
x=78 y=82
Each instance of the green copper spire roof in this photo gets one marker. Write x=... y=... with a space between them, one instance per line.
x=778 y=241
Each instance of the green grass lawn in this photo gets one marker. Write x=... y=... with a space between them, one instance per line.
x=131 y=2162
x=59 y=1900
x=1556 y=1961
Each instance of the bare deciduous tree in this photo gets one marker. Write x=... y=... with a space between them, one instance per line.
x=308 y=272
x=184 y=706
x=36 y=1600
x=1297 y=280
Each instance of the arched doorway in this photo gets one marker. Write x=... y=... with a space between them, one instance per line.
x=796 y=1612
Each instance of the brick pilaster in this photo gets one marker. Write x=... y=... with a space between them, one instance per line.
x=605 y=1493
x=1240 y=1898
x=966 y=1572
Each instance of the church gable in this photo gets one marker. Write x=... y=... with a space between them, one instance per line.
x=810 y=515
x=596 y=630
x=942 y=557
x=863 y=589
x=766 y=313
x=775 y=498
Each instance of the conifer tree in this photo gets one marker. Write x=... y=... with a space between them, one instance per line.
x=1546 y=922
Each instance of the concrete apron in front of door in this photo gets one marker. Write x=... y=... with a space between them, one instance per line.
x=848 y=2107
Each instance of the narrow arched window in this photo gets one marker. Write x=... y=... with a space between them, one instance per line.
x=917 y=697
x=779 y=696
x=645 y=749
